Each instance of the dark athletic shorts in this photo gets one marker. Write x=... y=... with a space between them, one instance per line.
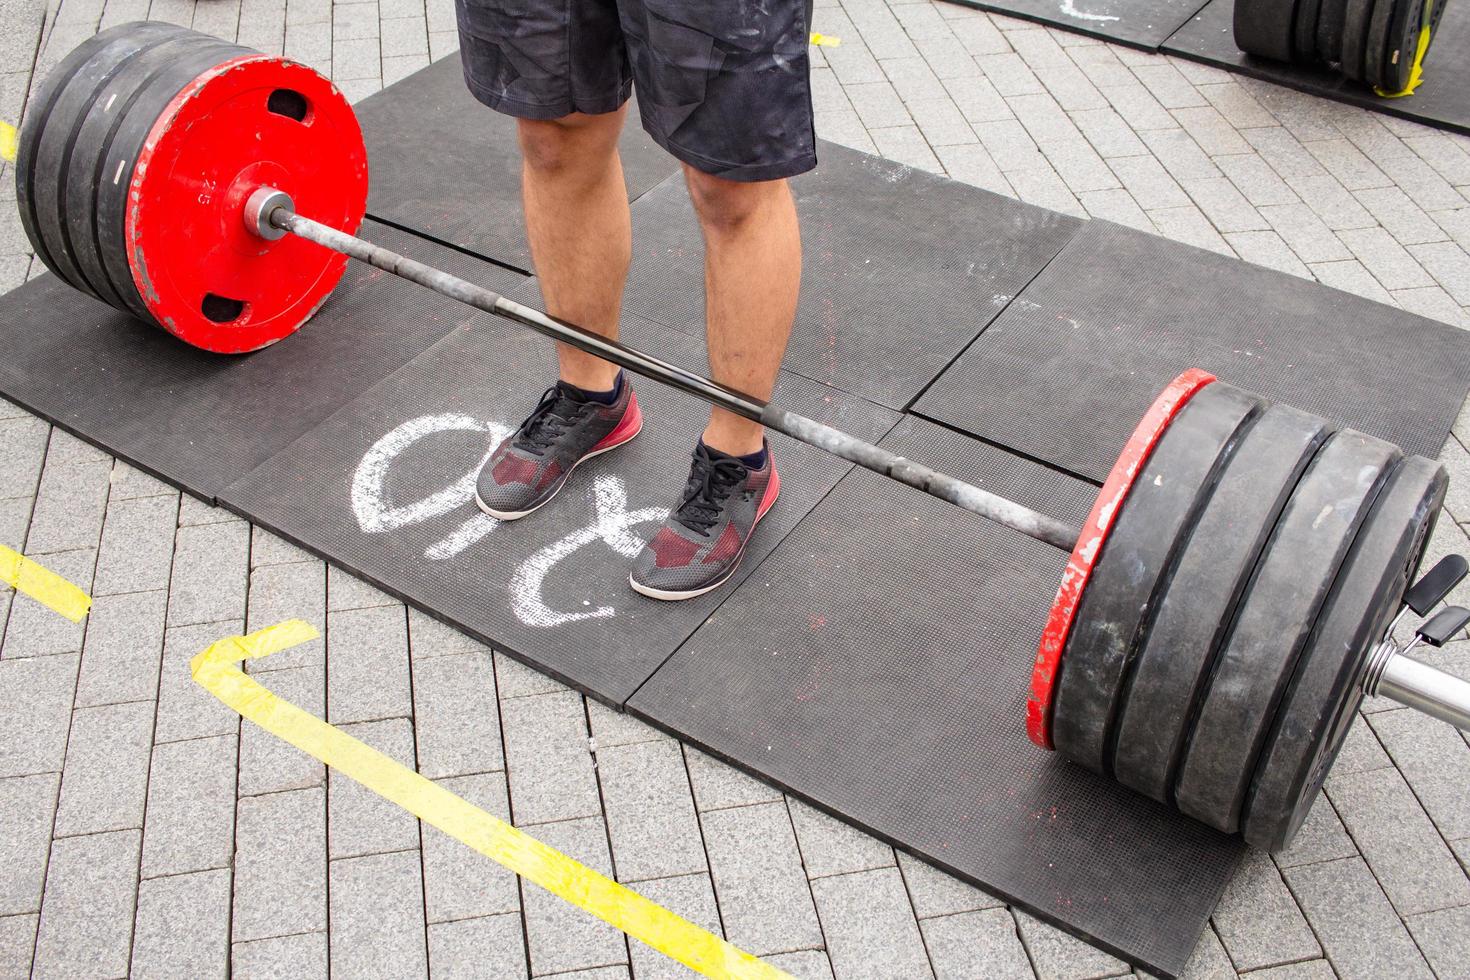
x=722 y=84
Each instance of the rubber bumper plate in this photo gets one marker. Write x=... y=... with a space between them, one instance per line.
x=1265 y=27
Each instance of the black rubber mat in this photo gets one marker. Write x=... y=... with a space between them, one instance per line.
x=883 y=675
x=202 y=420
x=1140 y=23
x=384 y=488
x=1067 y=371
x=901 y=269
x=1441 y=100
x=445 y=165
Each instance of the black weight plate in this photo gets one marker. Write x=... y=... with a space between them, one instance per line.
x=1324 y=696
x=1375 y=47
x=1304 y=40
x=1403 y=44
x=1354 y=33
x=1274 y=621
x=56 y=143
x=85 y=176
x=1137 y=558
x=1265 y=27
x=1330 y=18
x=122 y=152
x=1199 y=602
x=36 y=122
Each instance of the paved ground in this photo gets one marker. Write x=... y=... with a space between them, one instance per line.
x=143 y=829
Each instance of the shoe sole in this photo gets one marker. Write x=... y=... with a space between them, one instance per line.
x=515 y=515
x=667 y=596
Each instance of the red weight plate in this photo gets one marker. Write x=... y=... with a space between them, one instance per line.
x=1089 y=546
x=251 y=121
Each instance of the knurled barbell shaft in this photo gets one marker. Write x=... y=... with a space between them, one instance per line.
x=838 y=443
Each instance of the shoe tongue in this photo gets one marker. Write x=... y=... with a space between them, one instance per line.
x=570 y=392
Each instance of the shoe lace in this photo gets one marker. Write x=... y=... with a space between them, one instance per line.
x=557 y=410
x=711 y=481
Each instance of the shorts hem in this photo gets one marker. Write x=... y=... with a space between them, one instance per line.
x=743 y=172
x=591 y=106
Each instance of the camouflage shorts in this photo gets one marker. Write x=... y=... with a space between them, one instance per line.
x=722 y=84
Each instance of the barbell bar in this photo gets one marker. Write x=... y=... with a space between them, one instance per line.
x=1226 y=606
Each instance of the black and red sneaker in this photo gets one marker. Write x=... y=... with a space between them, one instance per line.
x=701 y=544
x=532 y=465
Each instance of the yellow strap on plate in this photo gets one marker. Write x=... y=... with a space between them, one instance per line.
x=45 y=586
x=216 y=670
x=1416 y=73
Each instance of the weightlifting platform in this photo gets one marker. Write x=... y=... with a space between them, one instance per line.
x=873 y=654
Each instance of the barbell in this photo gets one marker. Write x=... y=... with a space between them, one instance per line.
x=1226 y=606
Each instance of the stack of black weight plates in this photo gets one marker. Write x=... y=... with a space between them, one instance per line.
x=1375 y=42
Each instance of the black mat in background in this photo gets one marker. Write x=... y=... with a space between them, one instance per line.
x=493 y=372
x=445 y=165
x=1443 y=99
x=901 y=269
x=883 y=675
x=1138 y=23
x=202 y=420
x=1067 y=371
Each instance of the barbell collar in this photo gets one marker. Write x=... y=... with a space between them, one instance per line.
x=1416 y=684
x=278 y=216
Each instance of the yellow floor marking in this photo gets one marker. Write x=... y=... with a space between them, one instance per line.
x=45 y=586
x=217 y=670
x=7 y=141
x=825 y=40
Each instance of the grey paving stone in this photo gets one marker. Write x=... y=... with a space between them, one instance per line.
x=1269 y=249
x=1407 y=855
x=353 y=59
x=209 y=574
x=69 y=507
x=1148 y=182
x=292 y=591
x=1348 y=164
x=650 y=811
x=1109 y=135
x=27 y=805
x=299 y=957
x=456 y=718
x=1408 y=225
x=471 y=949
x=377 y=913
x=122 y=650
x=514 y=679
x=1258 y=921
x=368 y=677
x=269 y=764
x=37 y=693
x=1226 y=207
x=1385 y=258
x=830 y=847
x=1309 y=970
x=427 y=637
x=194 y=512
x=1255 y=179
x=347 y=591
x=1055 y=954
x=191 y=803
x=1456 y=459
x=941 y=122
x=1425 y=187
x=1045 y=189
x=1351 y=277
x=549 y=759
x=280 y=866
x=1211 y=130
x=1449 y=266
x=1436 y=762
x=1167 y=85
x=1435 y=303
x=613 y=728
x=66 y=449
x=1444 y=939
x=805 y=964
x=105 y=783
x=1179 y=153
x=718 y=786
x=1444 y=155
x=869 y=925
x=689 y=896
x=1322 y=837
x=360 y=821
x=354 y=20
x=17 y=942
x=1137 y=105
x=972 y=164
x=906 y=145
x=976 y=944
x=1209 y=961
x=186 y=710
x=1237 y=105
x=35 y=630
x=978 y=101
x=762 y=890
x=1189 y=225
x=87 y=916
x=1353 y=919
x=1308 y=237
x=1078 y=164
x=934 y=892
x=267 y=549
x=878 y=105
x=1283 y=152
x=183 y=926
x=398 y=67
x=458 y=882
x=561 y=936
x=1337 y=208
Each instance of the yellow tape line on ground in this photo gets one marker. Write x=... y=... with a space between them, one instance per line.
x=825 y=40
x=7 y=141
x=216 y=670
x=45 y=586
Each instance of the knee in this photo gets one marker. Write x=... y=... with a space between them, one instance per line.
x=729 y=205
x=566 y=145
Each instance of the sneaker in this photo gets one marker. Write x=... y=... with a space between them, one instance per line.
x=703 y=540
x=531 y=466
